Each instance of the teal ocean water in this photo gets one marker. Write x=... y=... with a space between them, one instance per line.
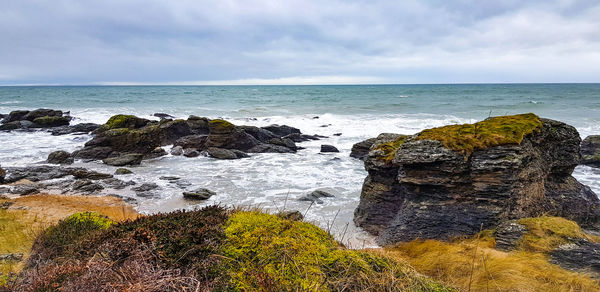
x=273 y=181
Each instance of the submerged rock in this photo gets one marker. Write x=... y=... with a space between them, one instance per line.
x=177 y=151
x=199 y=194
x=316 y=196
x=121 y=171
x=454 y=180
x=60 y=157
x=282 y=130
x=590 y=151
x=328 y=148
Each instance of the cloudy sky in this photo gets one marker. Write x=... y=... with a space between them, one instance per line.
x=298 y=42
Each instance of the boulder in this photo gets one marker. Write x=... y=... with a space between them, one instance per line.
x=316 y=196
x=145 y=187
x=191 y=141
x=297 y=137
x=177 y=151
x=86 y=186
x=125 y=159
x=579 y=255
x=82 y=173
x=225 y=135
x=15 y=116
x=50 y=121
x=269 y=148
x=60 y=157
x=121 y=171
x=191 y=152
x=291 y=215
x=2 y=175
x=281 y=131
x=199 y=194
x=163 y=116
x=40 y=113
x=10 y=126
x=452 y=181
x=170 y=131
x=93 y=153
x=82 y=128
x=260 y=134
x=328 y=148
x=285 y=142
x=220 y=153
x=590 y=151
x=157 y=152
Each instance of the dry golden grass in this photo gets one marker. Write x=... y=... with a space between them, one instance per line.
x=30 y=215
x=474 y=265
x=546 y=233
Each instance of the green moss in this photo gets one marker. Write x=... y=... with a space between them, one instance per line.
x=389 y=149
x=488 y=133
x=124 y=121
x=546 y=233
x=219 y=126
x=267 y=253
x=51 y=121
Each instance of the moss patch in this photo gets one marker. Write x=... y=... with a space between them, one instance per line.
x=219 y=126
x=491 y=132
x=51 y=121
x=125 y=121
x=546 y=233
x=389 y=149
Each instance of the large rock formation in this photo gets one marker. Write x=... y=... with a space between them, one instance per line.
x=40 y=118
x=454 y=180
x=125 y=134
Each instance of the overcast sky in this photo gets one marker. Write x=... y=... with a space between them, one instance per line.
x=298 y=42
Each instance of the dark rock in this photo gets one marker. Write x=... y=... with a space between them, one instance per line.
x=281 y=131
x=170 y=131
x=198 y=125
x=60 y=157
x=26 y=189
x=508 y=234
x=2 y=175
x=121 y=171
x=191 y=141
x=145 y=187
x=270 y=148
x=75 y=129
x=163 y=116
x=260 y=134
x=337 y=134
x=199 y=194
x=580 y=255
x=328 y=148
x=177 y=151
x=285 y=142
x=82 y=173
x=225 y=135
x=15 y=116
x=41 y=113
x=361 y=149
x=291 y=215
x=117 y=184
x=169 y=178
x=86 y=186
x=191 y=152
x=157 y=152
x=422 y=189
x=316 y=196
x=297 y=137
x=240 y=154
x=220 y=153
x=10 y=126
x=50 y=121
x=125 y=159
x=93 y=153
x=35 y=173
x=590 y=151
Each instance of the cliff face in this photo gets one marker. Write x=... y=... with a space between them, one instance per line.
x=455 y=180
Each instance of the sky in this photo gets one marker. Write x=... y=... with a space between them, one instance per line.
x=298 y=42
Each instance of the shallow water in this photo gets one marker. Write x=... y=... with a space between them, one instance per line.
x=275 y=181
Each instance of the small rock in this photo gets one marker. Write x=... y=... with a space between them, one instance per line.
x=337 y=134
x=163 y=116
x=328 y=148
x=221 y=153
x=507 y=235
x=2 y=175
x=60 y=157
x=145 y=187
x=89 y=174
x=125 y=159
x=191 y=152
x=86 y=186
x=157 y=152
x=199 y=194
x=291 y=215
x=316 y=196
x=177 y=151
x=169 y=178
x=25 y=189
x=117 y=183
x=121 y=171
x=281 y=130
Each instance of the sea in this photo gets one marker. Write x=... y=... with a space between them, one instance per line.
x=346 y=114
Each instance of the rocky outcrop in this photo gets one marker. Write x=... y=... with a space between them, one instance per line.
x=455 y=180
x=60 y=157
x=590 y=151
x=361 y=149
x=126 y=134
x=40 y=118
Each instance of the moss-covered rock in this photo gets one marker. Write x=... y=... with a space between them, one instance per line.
x=125 y=121
x=51 y=121
x=218 y=126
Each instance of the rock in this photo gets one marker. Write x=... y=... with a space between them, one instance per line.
x=50 y=121
x=199 y=194
x=93 y=153
x=198 y=125
x=86 y=186
x=121 y=171
x=125 y=159
x=316 y=196
x=191 y=152
x=26 y=189
x=297 y=137
x=43 y=113
x=361 y=149
x=285 y=142
x=170 y=131
x=260 y=134
x=145 y=187
x=163 y=116
x=177 y=151
x=220 y=153
x=281 y=131
x=508 y=234
x=60 y=157
x=13 y=257
x=82 y=173
x=15 y=116
x=328 y=148
x=291 y=215
x=78 y=128
x=225 y=135
x=191 y=141
x=117 y=184
x=2 y=175
x=590 y=151
x=35 y=173
x=157 y=152
x=580 y=255
x=169 y=178
x=10 y=126
x=240 y=154
x=269 y=148
x=505 y=168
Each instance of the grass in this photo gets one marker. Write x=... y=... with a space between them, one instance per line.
x=17 y=232
x=491 y=132
x=474 y=265
x=546 y=233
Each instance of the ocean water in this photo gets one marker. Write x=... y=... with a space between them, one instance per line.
x=274 y=181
